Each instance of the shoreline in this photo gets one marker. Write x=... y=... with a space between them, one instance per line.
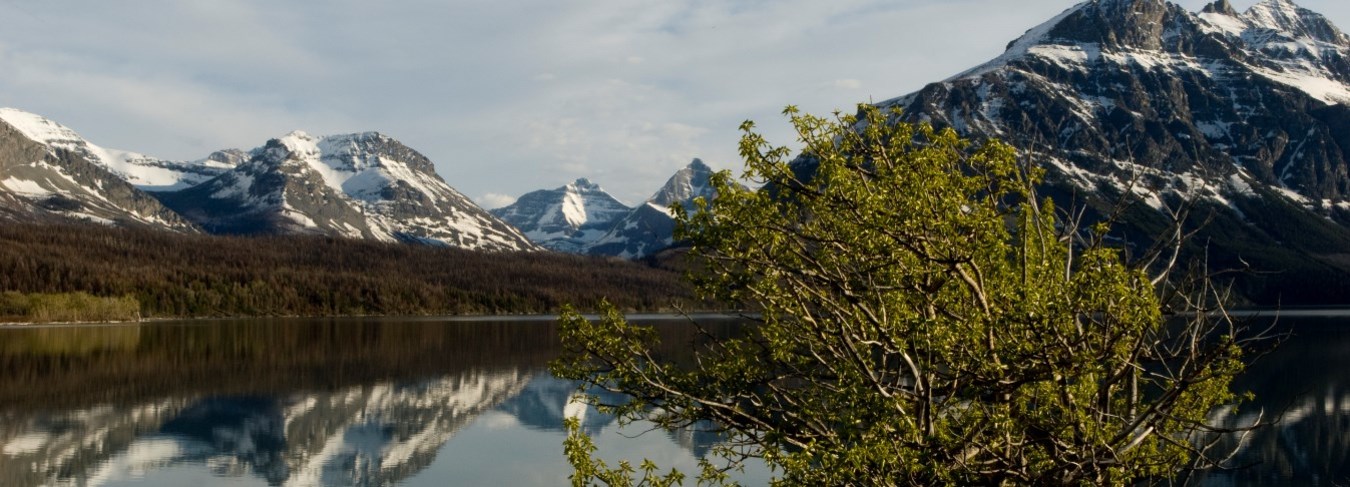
x=1292 y=312
x=537 y=317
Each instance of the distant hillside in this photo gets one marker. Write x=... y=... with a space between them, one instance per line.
x=179 y=275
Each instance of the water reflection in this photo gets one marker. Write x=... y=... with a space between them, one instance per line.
x=354 y=402
x=418 y=402
x=1305 y=383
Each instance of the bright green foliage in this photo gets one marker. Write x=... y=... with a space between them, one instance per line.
x=50 y=307
x=926 y=321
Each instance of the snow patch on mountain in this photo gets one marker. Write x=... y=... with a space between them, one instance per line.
x=1297 y=45
x=1301 y=41
x=1033 y=38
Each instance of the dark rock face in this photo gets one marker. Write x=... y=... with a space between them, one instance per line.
x=1244 y=113
x=1220 y=7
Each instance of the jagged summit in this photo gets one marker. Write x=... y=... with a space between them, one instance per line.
x=1122 y=24
x=687 y=183
x=1220 y=7
x=1287 y=17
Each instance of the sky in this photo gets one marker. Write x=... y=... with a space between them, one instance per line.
x=505 y=96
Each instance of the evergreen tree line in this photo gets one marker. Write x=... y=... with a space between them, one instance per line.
x=177 y=275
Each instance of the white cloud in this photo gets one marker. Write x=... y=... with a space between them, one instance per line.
x=495 y=200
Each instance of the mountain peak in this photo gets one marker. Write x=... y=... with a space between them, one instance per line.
x=1287 y=17
x=687 y=184
x=1275 y=13
x=1220 y=7
x=38 y=128
x=583 y=184
x=1120 y=24
x=299 y=135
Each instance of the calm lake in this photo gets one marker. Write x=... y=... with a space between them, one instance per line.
x=434 y=402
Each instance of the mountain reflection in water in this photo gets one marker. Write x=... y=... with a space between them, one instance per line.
x=282 y=402
x=428 y=402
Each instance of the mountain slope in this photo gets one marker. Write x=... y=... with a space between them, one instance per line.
x=363 y=185
x=650 y=227
x=566 y=219
x=1243 y=113
x=48 y=171
x=144 y=172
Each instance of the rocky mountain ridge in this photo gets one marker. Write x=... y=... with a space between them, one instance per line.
x=48 y=172
x=355 y=186
x=650 y=227
x=582 y=218
x=364 y=185
x=1242 y=113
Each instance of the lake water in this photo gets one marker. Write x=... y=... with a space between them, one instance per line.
x=416 y=402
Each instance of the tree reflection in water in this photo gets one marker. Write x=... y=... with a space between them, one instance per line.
x=1305 y=383
x=373 y=402
x=287 y=402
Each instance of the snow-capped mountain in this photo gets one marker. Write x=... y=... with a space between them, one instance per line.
x=49 y=171
x=1243 y=112
x=566 y=219
x=364 y=185
x=1119 y=86
x=358 y=186
x=142 y=171
x=650 y=227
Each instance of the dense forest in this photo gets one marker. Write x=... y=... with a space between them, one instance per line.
x=178 y=275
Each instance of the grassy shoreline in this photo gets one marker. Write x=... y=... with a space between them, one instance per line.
x=42 y=308
x=7 y=322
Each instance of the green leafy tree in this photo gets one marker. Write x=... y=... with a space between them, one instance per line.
x=923 y=319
